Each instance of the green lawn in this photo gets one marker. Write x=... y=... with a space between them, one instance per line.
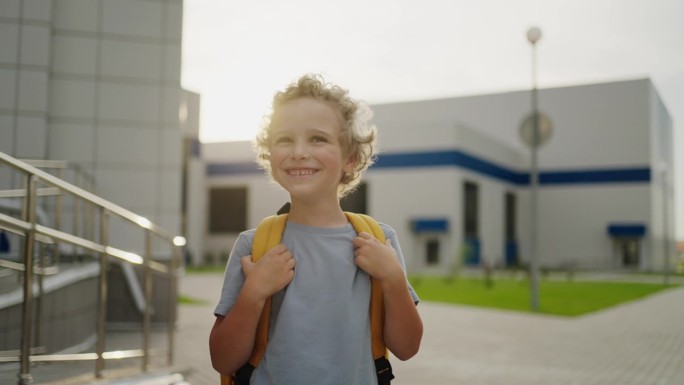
x=185 y=300
x=564 y=298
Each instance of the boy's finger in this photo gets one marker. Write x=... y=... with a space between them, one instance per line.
x=246 y=261
x=279 y=249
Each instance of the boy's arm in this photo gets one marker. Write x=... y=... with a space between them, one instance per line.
x=403 y=328
x=232 y=337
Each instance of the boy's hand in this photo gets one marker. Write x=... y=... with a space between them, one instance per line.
x=271 y=273
x=377 y=259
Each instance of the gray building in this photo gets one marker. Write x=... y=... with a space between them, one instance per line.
x=97 y=84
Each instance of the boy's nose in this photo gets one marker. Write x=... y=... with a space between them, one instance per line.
x=300 y=151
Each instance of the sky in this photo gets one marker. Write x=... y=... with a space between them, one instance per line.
x=236 y=54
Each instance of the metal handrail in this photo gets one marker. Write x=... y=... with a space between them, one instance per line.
x=32 y=232
x=46 y=178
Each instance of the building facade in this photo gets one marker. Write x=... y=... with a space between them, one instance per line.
x=453 y=178
x=97 y=84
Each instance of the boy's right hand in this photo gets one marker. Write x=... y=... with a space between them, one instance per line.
x=270 y=274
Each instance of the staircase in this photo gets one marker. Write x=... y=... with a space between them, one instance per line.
x=73 y=307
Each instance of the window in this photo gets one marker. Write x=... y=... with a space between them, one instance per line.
x=510 y=209
x=629 y=251
x=432 y=251
x=356 y=201
x=227 y=210
x=470 y=217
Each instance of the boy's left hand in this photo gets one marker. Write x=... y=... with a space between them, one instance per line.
x=377 y=259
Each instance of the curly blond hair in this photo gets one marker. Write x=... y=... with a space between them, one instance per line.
x=357 y=136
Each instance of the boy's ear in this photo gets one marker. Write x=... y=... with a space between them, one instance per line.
x=350 y=164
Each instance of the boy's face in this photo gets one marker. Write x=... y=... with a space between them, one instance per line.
x=306 y=156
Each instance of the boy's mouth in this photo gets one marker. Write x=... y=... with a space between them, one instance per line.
x=301 y=171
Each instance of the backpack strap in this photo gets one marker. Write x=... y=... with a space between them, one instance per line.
x=364 y=223
x=383 y=368
x=268 y=235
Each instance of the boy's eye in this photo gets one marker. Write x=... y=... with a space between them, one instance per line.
x=319 y=139
x=282 y=139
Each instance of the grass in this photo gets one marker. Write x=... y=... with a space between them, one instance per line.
x=556 y=297
x=563 y=298
x=185 y=300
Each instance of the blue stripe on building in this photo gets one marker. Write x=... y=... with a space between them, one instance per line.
x=450 y=158
x=596 y=176
x=431 y=225
x=457 y=158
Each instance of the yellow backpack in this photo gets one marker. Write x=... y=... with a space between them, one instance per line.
x=268 y=235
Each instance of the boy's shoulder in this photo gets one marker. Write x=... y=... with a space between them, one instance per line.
x=387 y=229
x=246 y=238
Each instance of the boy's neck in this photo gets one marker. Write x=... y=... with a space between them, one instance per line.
x=317 y=215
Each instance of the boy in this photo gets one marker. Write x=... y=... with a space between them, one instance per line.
x=316 y=145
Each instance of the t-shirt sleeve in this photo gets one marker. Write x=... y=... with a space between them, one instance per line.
x=392 y=236
x=234 y=278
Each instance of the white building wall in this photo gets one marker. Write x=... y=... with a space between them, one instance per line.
x=573 y=223
x=662 y=188
x=396 y=197
x=492 y=222
x=601 y=126
x=596 y=127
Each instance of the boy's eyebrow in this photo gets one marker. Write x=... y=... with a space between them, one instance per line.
x=310 y=131
x=320 y=132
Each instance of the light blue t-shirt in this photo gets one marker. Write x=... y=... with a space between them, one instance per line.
x=320 y=323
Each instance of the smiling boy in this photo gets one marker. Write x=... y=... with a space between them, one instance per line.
x=316 y=145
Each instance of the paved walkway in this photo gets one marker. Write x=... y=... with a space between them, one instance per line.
x=640 y=343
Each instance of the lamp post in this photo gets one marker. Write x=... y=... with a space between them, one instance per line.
x=666 y=223
x=533 y=36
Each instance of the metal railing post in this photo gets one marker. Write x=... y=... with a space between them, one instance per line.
x=59 y=200
x=102 y=295
x=38 y=314
x=27 y=305
x=173 y=308
x=75 y=215
x=148 y=300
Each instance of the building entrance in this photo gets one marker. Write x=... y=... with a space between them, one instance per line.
x=628 y=251
x=627 y=243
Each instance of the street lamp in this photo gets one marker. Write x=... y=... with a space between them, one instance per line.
x=666 y=222
x=534 y=34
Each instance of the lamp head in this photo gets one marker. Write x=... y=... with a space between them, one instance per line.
x=533 y=35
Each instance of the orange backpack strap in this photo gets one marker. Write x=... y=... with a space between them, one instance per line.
x=267 y=236
x=364 y=223
x=383 y=368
